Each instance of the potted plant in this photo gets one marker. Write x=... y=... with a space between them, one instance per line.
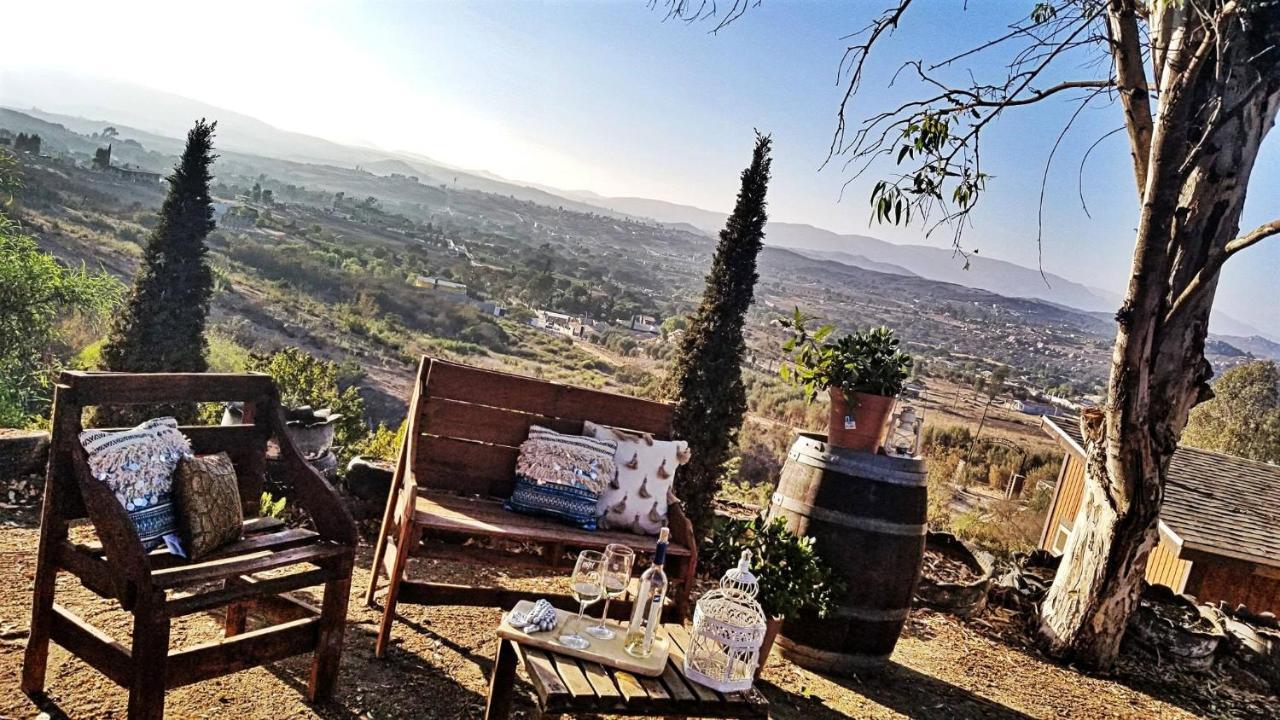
x=792 y=576
x=862 y=372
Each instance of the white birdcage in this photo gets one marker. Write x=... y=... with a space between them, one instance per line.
x=728 y=630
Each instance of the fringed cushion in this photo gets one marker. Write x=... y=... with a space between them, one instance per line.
x=639 y=497
x=560 y=476
x=137 y=465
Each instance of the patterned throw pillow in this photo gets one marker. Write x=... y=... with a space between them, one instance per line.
x=137 y=465
x=638 y=498
x=208 y=498
x=560 y=476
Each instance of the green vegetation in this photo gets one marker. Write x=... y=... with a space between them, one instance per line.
x=384 y=443
x=793 y=577
x=706 y=381
x=1243 y=418
x=162 y=326
x=306 y=380
x=271 y=507
x=42 y=304
x=861 y=362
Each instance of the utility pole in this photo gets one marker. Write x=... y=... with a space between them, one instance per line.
x=972 y=441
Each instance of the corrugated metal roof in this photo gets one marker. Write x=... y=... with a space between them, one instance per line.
x=1214 y=503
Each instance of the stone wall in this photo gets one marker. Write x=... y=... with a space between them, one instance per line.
x=23 y=455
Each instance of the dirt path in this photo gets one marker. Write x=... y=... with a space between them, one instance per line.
x=440 y=657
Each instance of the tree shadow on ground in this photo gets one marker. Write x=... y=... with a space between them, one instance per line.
x=402 y=684
x=898 y=688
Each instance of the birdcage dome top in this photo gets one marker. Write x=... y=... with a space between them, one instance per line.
x=741 y=578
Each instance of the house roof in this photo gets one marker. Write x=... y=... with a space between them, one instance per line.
x=1214 y=503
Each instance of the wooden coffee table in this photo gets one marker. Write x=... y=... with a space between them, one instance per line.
x=567 y=685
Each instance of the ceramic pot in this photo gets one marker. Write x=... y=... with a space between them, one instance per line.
x=771 y=627
x=859 y=423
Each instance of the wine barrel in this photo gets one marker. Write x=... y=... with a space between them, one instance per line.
x=868 y=514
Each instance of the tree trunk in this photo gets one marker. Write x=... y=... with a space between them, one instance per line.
x=1192 y=201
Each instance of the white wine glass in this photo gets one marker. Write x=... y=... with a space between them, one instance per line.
x=587 y=587
x=618 y=561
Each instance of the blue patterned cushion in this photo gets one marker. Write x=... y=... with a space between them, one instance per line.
x=566 y=503
x=138 y=464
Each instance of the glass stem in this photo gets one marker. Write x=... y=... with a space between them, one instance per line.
x=604 y=616
x=582 y=608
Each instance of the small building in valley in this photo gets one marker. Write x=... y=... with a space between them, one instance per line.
x=442 y=287
x=1219 y=524
x=1029 y=407
x=644 y=324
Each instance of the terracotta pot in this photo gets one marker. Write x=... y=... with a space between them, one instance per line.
x=771 y=628
x=870 y=415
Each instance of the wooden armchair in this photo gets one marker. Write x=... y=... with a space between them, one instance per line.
x=118 y=568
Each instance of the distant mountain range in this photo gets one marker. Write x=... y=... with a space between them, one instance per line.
x=158 y=120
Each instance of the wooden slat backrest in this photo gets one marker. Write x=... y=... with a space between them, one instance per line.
x=471 y=421
x=103 y=388
x=245 y=444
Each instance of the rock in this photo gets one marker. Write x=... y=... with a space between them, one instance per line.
x=22 y=453
x=369 y=479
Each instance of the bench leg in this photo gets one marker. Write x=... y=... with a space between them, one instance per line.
x=237 y=619
x=150 y=659
x=404 y=539
x=501 y=681
x=237 y=613
x=36 y=658
x=380 y=545
x=333 y=616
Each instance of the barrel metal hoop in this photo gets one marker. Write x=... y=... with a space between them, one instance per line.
x=887 y=527
x=863 y=471
x=872 y=615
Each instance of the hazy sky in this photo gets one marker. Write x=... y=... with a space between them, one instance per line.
x=607 y=97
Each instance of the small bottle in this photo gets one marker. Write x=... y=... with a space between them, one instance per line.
x=646 y=613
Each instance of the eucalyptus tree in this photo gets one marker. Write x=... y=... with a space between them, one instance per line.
x=1195 y=85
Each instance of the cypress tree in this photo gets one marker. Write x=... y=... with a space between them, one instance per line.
x=706 y=381
x=161 y=328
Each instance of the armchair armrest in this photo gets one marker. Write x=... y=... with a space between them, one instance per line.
x=331 y=517
x=130 y=568
x=682 y=529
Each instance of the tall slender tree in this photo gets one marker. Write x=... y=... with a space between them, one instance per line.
x=706 y=381
x=161 y=328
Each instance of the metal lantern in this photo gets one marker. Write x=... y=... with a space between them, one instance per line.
x=728 y=630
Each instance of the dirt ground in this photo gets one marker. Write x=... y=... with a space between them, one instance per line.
x=440 y=658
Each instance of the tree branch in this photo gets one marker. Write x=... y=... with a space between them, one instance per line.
x=1131 y=77
x=1200 y=281
x=855 y=57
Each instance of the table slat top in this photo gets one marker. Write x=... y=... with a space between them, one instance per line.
x=565 y=684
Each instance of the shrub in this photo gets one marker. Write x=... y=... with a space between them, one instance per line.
x=384 y=443
x=306 y=380
x=792 y=575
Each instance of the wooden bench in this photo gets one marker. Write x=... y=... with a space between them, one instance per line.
x=457 y=465
x=158 y=586
x=563 y=684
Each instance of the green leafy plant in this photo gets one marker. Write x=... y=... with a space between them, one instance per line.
x=307 y=380
x=270 y=507
x=384 y=443
x=792 y=575
x=867 y=361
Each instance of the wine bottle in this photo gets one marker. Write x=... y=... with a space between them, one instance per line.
x=646 y=613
